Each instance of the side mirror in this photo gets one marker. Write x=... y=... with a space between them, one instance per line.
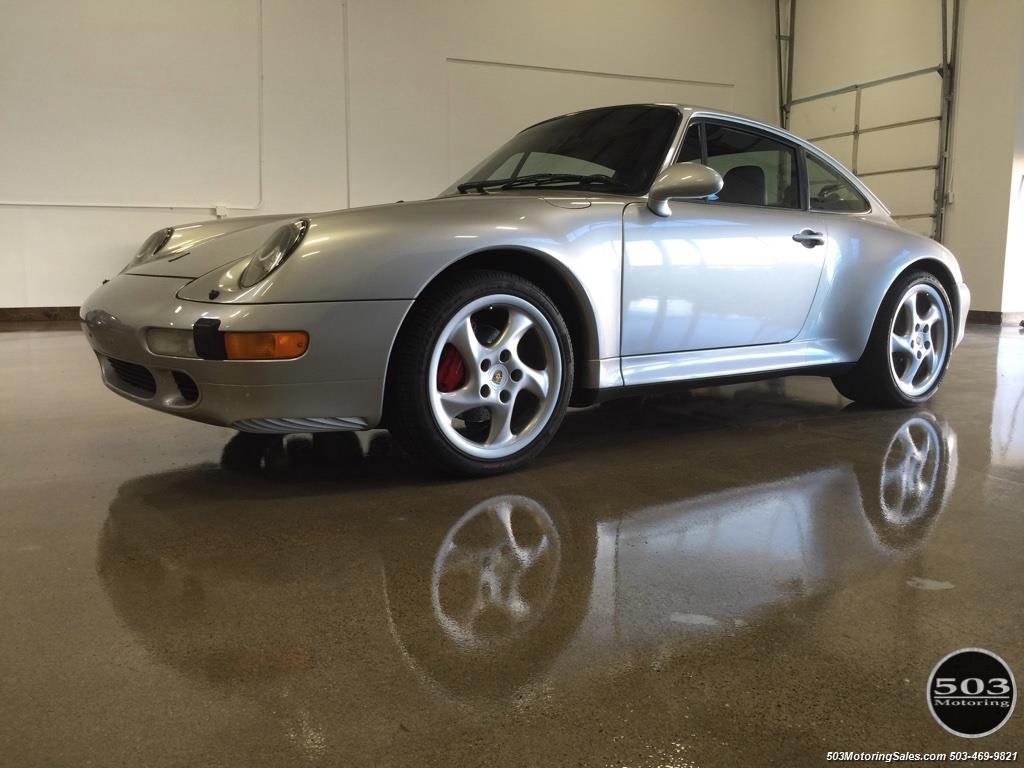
x=682 y=181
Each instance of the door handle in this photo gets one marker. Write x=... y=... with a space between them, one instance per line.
x=808 y=238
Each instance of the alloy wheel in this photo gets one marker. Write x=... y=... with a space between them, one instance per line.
x=495 y=376
x=918 y=339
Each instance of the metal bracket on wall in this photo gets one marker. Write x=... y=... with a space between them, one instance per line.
x=784 y=50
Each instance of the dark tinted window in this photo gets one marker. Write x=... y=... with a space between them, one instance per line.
x=757 y=170
x=627 y=143
x=829 y=191
x=690 y=152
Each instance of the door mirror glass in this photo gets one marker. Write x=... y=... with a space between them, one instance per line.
x=682 y=181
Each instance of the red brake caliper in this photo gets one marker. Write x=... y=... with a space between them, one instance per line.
x=451 y=370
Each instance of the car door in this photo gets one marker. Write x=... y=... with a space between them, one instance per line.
x=736 y=270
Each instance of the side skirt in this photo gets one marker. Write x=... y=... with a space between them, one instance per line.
x=758 y=361
x=613 y=393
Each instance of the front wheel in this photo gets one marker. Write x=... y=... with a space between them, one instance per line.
x=909 y=347
x=481 y=375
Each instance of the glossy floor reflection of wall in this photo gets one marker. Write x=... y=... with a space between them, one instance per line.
x=1008 y=407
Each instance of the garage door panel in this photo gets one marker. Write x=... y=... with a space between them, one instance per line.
x=901 y=100
x=841 y=149
x=905 y=193
x=823 y=117
x=922 y=225
x=907 y=147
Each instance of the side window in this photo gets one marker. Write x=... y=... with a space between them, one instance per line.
x=757 y=170
x=689 y=152
x=829 y=191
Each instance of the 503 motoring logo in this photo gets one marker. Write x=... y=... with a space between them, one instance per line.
x=972 y=693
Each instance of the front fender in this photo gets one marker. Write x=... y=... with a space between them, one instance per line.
x=394 y=251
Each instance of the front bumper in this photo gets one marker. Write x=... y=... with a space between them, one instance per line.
x=337 y=384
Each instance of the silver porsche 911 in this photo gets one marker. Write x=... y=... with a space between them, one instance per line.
x=593 y=254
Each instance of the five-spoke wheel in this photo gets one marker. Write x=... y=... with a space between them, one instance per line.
x=482 y=374
x=494 y=375
x=908 y=349
x=917 y=339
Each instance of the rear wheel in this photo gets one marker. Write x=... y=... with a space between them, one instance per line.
x=908 y=350
x=481 y=375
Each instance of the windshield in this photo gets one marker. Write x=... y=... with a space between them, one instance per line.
x=615 y=149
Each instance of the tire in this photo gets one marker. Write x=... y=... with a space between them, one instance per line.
x=909 y=347
x=481 y=374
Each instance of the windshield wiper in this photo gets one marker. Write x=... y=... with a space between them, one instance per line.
x=482 y=184
x=541 y=179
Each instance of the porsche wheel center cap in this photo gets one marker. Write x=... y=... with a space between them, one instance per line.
x=499 y=376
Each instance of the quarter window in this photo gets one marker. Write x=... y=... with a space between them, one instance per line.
x=829 y=191
x=756 y=170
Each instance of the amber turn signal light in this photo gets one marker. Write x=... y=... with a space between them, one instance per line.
x=282 y=345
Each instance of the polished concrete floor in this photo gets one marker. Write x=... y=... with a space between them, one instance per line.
x=748 y=575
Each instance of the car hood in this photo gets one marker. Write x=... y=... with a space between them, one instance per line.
x=199 y=248
x=387 y=251
x=194 y=249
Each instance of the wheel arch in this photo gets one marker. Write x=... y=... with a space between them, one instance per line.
x=944 y=275
x=556 y=281
x=933 y=266
x=940 y=271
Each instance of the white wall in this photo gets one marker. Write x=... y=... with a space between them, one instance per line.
x=436 y=85
x=104 y=107
x=987 y=121
x=1013 y=280
x=193 y=133
x=132 y=104
x=985 y=218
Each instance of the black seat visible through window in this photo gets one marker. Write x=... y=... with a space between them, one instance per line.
x=744 y=184
x=789 y=197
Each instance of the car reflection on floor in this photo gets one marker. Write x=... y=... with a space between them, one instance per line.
x=341 y=603
x=687 y=566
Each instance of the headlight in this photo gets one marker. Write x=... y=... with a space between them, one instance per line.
x=272 y=253
x=154 y=243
